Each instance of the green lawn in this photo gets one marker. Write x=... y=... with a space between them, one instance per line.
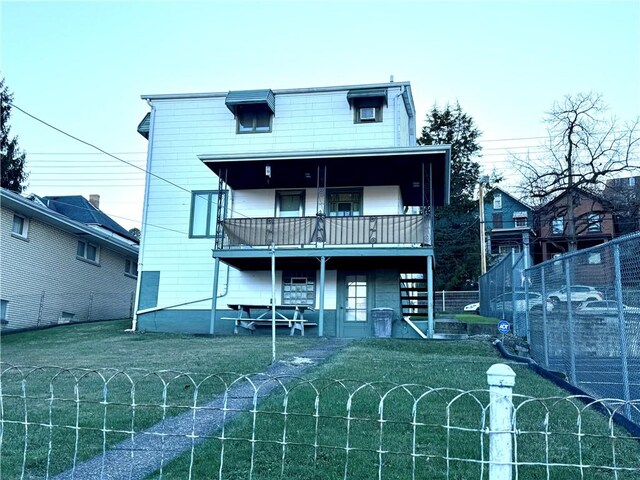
x=319 y=409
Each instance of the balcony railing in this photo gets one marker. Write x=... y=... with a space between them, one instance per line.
x=320 y=230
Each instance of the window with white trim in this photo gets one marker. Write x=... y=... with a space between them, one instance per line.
x=520 y=221
x=557 y=226
x=20 y=227
x=88 y=252
x=497 y=201
x=130 y=268
x=595 y=224
x=290 y=203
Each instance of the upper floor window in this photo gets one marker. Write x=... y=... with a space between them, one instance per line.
x=520 y=221
x=367 y=104
x=20 y=227
x=130 y=268
x=253 y=109
x=497 y=220
x=290 y=203
x=345 y=203
x=497 y=201
x=632 y=181
x=204 y=213
x=253 y=120
x=595 y=224
x=88 y=251
x=557 y=226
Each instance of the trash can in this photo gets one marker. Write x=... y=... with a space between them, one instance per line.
x=382 y=318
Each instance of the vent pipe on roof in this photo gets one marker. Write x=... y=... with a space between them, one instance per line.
x=94 y=200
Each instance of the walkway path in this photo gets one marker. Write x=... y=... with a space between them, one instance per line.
x=148 y=451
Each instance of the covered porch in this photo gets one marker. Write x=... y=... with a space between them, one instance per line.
x=343 y=239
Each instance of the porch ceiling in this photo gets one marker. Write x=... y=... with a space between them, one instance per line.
x=407 y=260
x=353 y=168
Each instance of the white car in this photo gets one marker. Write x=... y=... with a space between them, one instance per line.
x=508 y=302
x=604 y=307
x=579 y=293
x=472 y=308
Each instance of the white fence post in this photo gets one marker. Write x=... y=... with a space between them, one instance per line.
x=501 y=379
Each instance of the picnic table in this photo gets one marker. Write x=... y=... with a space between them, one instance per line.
x=291 y=316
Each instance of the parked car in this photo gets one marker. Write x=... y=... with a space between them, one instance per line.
x=506 y=302
x=579 y=293
x=604 y=307
x=472 y=308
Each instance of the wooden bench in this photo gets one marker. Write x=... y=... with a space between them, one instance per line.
x=297 y=322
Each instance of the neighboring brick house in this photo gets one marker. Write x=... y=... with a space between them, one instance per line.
x=508 y=223
x=624 y=195
x=593 y=225
x=55 y=269
x=330 y=178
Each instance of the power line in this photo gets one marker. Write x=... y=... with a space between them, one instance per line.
x=98 y=148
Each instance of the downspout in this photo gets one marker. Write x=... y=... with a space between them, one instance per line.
x=145 y=213
x=396 y=107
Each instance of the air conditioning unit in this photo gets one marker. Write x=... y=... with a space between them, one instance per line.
x=368 y=113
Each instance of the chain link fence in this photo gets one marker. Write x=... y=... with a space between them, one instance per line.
x=46 y=309
x=580 y=313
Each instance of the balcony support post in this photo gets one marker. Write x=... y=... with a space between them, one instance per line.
x=321 y=314
x=214 y=295
x=430 y=295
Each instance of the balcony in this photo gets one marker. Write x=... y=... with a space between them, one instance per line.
x=321 y=231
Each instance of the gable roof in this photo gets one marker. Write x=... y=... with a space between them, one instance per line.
x=35 y=208
x=78 y=208
x=580 y=192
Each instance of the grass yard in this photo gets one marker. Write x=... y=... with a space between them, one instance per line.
x=445 y=423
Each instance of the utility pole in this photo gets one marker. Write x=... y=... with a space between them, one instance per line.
x=483 y=253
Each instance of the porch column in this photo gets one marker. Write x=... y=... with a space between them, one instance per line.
x=321 y=314
x=214 y=295
x=430 y=295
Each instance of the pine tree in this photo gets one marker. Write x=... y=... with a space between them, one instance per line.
x=12 y=158
x=457 y=232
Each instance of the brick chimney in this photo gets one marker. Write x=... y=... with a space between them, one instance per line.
x=95 y=200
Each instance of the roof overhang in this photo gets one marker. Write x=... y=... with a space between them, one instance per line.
x=405 y=167
x=408 y=260
x=31 y=209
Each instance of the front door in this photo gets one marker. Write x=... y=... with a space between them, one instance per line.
x=353 y=310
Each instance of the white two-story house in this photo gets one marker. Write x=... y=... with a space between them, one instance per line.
x=327 y=182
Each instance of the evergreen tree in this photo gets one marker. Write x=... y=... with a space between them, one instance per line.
x=457 y=230
x=12 y=158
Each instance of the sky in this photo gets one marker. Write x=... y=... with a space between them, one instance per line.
x=82 y=67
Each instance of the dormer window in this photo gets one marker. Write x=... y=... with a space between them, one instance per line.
x=367 y=104
x=253 y=109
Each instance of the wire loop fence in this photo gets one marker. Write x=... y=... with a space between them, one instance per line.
x=59 y=423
